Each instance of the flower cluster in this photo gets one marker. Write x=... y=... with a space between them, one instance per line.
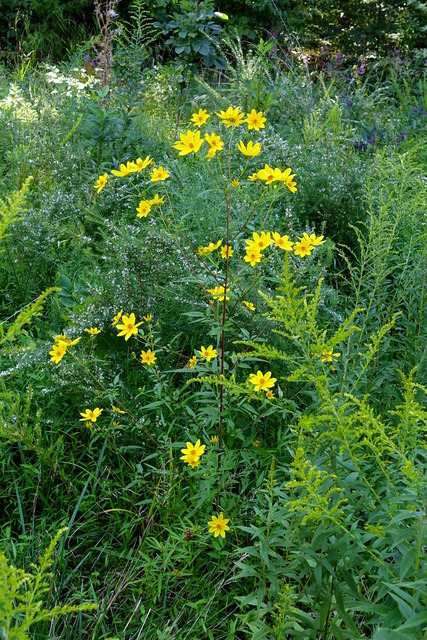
x=261 y=241
x=193 y=453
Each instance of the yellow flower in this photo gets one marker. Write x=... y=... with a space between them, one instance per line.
x=141 y=164
x=88 y=424
x=209 y=353
x=313 y=240
x=226 y=251
x=327 y=355
x=262 y=381
x=156 y=200
x=269 y=175
x=282 y=242
x=125 y=170
x=91 y=415
x=255 y=120
x=215 y=144
x=218 y=525
x=129 y=326
x=117 y=317
x=253 y=177
x=287 y=178
x=205 y=251
x=148 y=318
x=117 y=409
x=159 y=174
x=100 y=183
x=218 y=293
x=262 y=240
x=235 y=184
x=200 y=117
x=148 y=357
x=251 y=150
x=193 y=453
x=190 y=143
x=303 y=248
x=214 y=439
x=231 y=117
x=116 y=424
x=192 y=362
x=60 y=336
x=143 y=209
x=253 y=255
x=256 y=443
x=269 y=394
x=249 y=305
x=93 y=331
x=59 y=350
x=71 y=343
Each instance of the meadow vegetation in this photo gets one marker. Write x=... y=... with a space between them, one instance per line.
x=213 y=344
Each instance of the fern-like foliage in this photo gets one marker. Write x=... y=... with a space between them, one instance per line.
x=22 y=595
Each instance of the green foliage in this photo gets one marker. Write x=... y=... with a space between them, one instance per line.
x=22 y=595
x=194 y=34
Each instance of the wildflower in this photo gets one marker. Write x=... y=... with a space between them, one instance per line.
x=156 y=200
x=200 y=117
x=253 y=255
x=269 y=175
x=253 y=177
x=190 y=143
x=255 y=120
x=218 y=293
x=125 y=170
x=58 y=351
x=143 y=209
x=129 y=327
x=249 y=305
x=256 y=443
x=209 y=353
x=91 y=415
x=141 y=164
x=313 y=240
x=117 y=409
x=287 y=177
x=192 y=362
x=262 y=240
x=71 y=343
x=60 y=336
x=269 y=394
x=88 y=424
x=303 y=248
x=93 y=331
x=218 y=525
x=116 y=423
x=148 y=357
x=205 y=251
x=117 y=317
x=193 y=453
x=226 y=252
x=214 y=439
x=327 y=355
x=262 y=381
x=282 y=242
x=148 y=318
x=235 y=184
x=231 y=117
x=215 y=144
x=251 y=150
x=100 y=183
x=159 y=174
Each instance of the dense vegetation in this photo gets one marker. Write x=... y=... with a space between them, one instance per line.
x=214 y=325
